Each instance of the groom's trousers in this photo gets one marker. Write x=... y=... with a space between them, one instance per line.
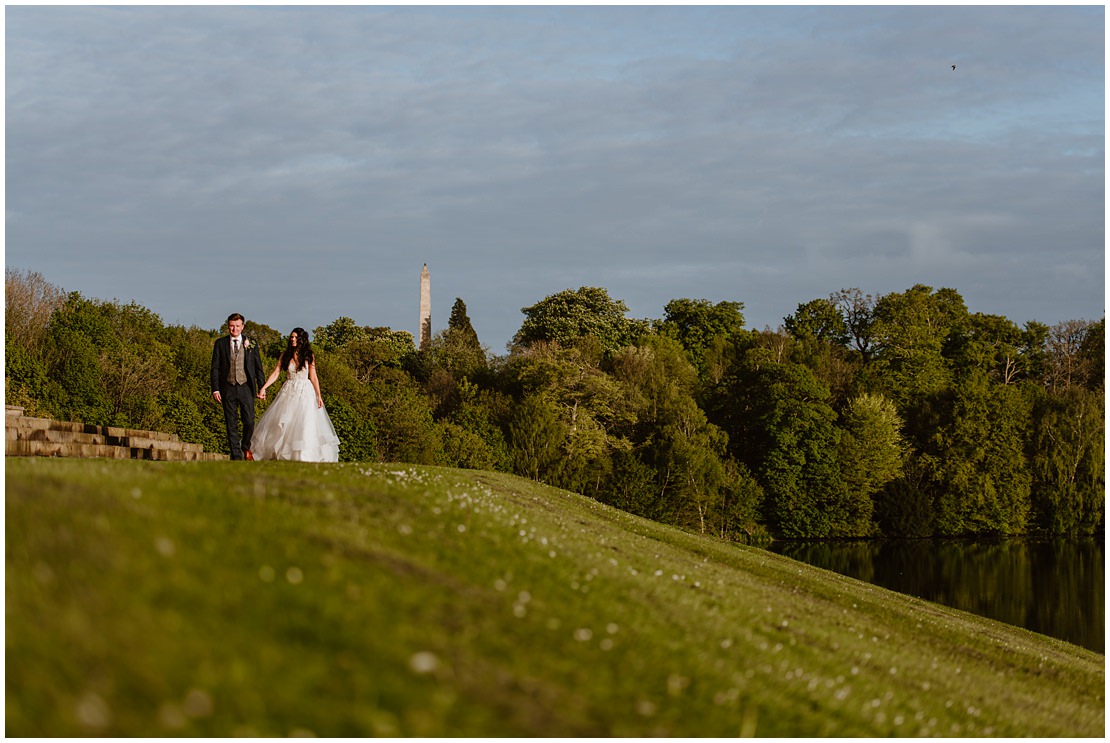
x=238 y=402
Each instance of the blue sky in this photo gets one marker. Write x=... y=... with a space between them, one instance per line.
x=298 y=164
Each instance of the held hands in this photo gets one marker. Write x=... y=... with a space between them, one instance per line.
x=262 y=394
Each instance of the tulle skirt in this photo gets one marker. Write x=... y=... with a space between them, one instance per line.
x=293 y=428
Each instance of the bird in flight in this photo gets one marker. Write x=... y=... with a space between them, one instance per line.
x=953 y=67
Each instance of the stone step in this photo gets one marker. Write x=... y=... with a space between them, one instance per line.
x=62 y=436
x=73 y=437
x=27 y=448
x=28 y=436
x=25 y=423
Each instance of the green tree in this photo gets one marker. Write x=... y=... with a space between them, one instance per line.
x=871 y=454
x=572 y=314
x=479 y=413
x=908 y=332
x=589 y=404
x=996 y=345
x=703 y=329
x=818 y=319
x=1093 y=352
x=337 y=333
x=1068 y=462
x=536 y=438
x=780 y=425
x=672 y=434
x=982 y=480
x=820 y=337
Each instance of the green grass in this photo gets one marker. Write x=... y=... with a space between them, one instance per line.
x=228 y=598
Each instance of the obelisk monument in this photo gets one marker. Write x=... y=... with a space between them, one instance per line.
x=425 y=306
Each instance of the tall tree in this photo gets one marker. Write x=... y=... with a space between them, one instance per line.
x=536 y=438
x=871 y=454
x=781 y=427
x=909 y=334
x=820 y=319
x=981 y=477
x=1070 y=359
x=673 y=435
x=1068 y=462
x=457 y=349
x=703 y=329
x=858 y=311
x=588 y=403
x=29 y=302
x=572 y=314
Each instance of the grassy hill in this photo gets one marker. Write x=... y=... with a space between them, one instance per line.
x=271 y=598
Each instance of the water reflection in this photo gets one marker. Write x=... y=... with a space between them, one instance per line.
x=1054 y=587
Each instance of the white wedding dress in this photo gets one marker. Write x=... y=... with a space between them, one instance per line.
x=293 y=428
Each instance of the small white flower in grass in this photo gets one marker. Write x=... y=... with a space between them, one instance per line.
x=583 y=634
x=197 y=704
x=612 y=628
x=136 y=493
x=676 y=684
x=500 y=585
x=606 y=644
x=404 y=530
x=645 y=708
x=424 y=662
x=461 y=528
x=520 y=610
x=165 y=546
x=93 y=712
x=294 y=575
x=42 y=572
x=171 y=716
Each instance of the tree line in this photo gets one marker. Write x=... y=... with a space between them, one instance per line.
x=901 y=414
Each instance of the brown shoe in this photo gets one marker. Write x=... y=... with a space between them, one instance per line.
x=250 y=456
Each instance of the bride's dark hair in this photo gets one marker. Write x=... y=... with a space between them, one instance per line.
x=302 y=352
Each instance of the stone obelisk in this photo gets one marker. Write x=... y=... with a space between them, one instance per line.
x=425 y=306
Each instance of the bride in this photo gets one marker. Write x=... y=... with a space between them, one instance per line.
x=296 y=426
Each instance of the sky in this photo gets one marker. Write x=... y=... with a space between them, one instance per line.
x=301 y=164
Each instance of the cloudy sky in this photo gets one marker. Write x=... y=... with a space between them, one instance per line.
x=301 y=164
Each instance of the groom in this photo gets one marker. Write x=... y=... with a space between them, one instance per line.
x=236 y=376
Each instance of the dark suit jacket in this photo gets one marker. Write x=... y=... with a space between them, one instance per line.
x=221 y=364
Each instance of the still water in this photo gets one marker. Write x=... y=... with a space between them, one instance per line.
x=1054 y=587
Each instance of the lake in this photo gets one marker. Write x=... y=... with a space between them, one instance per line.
x=1054 y=587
